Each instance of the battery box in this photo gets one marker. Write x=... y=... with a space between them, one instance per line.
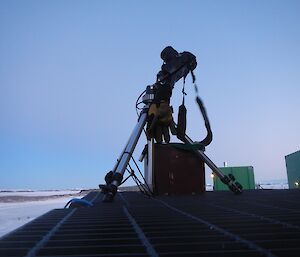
x=176 y=171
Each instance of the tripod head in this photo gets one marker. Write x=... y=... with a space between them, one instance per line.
x=176 y=66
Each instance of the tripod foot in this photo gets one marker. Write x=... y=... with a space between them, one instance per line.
x=233 y=185
x=109 y=193
x=108 y=197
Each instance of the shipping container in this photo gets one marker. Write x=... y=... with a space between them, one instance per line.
x=292 y=162
x=244 y=175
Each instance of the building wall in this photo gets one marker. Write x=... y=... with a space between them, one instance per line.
x=244 y=175
x=292 y=162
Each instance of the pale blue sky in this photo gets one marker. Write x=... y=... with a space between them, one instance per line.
x=70 y=72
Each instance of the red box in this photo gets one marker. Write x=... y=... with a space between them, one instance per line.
x=177 y=171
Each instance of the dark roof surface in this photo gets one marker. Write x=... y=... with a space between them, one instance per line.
x=256 y=223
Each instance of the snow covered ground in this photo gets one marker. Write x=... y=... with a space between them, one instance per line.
x=265 y=185
x=18 y=208
x=4 y=192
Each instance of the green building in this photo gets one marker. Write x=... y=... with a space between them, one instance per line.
x=292 y=162
x=244 y=175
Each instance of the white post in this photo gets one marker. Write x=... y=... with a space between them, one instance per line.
x=148 y=164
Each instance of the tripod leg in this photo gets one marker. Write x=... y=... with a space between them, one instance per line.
x=124 y=159
x=233 y=186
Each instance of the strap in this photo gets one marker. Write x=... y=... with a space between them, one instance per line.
x=188 y=147
x=181 y=121
x=183 y=91
x=207 y=140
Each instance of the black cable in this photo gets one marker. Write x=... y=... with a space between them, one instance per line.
x=148 y=188
x=137 y=102
x=137 y=179
x=125 y=180
x=137 y=182
x=137 y=106
x=131 y=157
x=145 y=190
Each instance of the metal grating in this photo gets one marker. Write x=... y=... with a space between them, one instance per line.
x=256 y=223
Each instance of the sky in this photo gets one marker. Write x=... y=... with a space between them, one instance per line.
x=70 y=72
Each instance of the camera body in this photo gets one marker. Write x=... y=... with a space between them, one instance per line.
x=176 y=66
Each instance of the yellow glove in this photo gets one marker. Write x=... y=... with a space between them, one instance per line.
x=160 y=121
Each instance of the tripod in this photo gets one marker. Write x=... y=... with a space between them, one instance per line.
x=116 y=174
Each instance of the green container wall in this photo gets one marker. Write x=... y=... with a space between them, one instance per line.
x=244 y=175
x=292 y=162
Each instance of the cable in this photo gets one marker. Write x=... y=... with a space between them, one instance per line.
x=143 y=187
x=137 y=103
x=142 y=176
x=79 y=202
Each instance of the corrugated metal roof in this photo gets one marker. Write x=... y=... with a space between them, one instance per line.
x=256 y=223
